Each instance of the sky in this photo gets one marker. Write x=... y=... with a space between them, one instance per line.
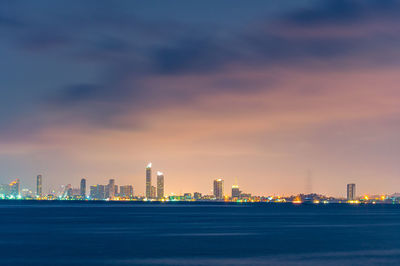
x=286 y=96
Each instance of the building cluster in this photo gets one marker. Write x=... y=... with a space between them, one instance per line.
x=156 y=192
x=12 y=190
x=110 y=191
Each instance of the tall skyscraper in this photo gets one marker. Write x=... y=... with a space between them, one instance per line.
x=219 y=189
x=148 y=181
x=39 y=186
x=160 y=185
x=83 y=188
x=351 y=191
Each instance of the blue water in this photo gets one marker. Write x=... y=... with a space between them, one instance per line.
x=101 y=233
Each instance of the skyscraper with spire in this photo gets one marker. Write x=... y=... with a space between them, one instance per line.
x=148 y=181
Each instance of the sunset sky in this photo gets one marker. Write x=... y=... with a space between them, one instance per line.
x=285 y=96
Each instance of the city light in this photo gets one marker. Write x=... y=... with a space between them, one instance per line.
x=156 y=193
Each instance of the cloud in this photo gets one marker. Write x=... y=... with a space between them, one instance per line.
x=156 y=65
x=344 y=12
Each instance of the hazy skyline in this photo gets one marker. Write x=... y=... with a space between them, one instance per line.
x=262 y=92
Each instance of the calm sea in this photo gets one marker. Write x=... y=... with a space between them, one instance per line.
x=101 y=233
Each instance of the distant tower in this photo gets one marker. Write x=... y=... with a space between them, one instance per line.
x=148 y=181
x=39 y=186
x=235 y=190
x=111 y=188
x=219 y=189
x=83 y=188
x=351 y=191
x=160 y=185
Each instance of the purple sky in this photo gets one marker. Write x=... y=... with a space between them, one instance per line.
x=268 y=92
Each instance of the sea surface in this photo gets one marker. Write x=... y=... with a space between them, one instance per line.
x=118 y=233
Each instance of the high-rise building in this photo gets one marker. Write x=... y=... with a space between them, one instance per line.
x=97 y=192
x=160 y=185
x=126 y=191
x=39 y=186
x=110 y=193
x=15 y=188
x=83 y=188
x=235 y=191
x=93 y=192
x=219 y=189
x=153 y=192
x=67 y=191
x=148 y=181
x=351 y=191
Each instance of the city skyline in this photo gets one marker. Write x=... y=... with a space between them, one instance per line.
x=157 y=192
x=264 y=93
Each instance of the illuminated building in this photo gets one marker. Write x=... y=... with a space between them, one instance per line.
x=187 y=196
x=219 y=189
x=110 y=189
x=153 y=192
x=351 y=191
x=67 y=191
x=83 y=188
x=75 y=192
x=93 y=192
x=148 y=181
x=26 y=193
x=4 y=190
x=39 y=186
x=160 y=185
x=15 y=188
x=97 y=192
x=126 y=191
x=236 y=191
x=197 y=195
x=245 y=196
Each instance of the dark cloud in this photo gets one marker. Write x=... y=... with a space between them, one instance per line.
x=131 y=52
x=78 y=93
x=344 y=12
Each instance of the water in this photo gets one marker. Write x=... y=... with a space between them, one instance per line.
x=101 y=233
